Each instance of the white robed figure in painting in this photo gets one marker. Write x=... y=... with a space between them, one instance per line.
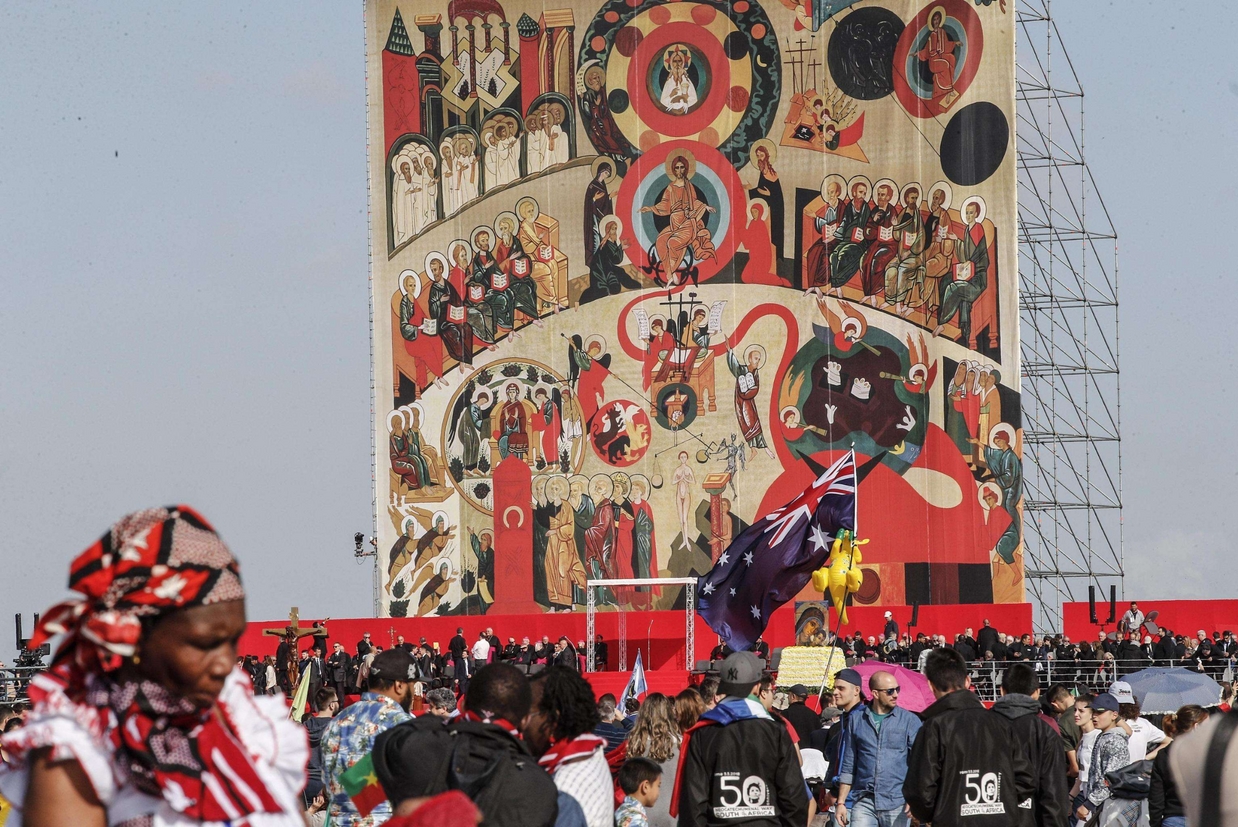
x=467 y=173
x=406 y=188
x=679 y=93
x=507 y=135
x=451 y=189
x=428 y=199
x=535 y=142
x=556 y=136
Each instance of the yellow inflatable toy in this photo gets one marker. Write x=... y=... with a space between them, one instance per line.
x=841 y=574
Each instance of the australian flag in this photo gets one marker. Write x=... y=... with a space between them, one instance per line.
x=771 y=560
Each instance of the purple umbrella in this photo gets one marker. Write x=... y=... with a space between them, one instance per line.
x=914 y=692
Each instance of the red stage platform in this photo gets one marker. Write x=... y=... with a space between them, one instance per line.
x=1182 y=617
x=667 y=681
x=658 y=635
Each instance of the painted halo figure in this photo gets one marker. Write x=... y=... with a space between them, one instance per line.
x=144 y=715
x=747 y=386
x=418 y=334
x=598 y=204
x=607 y=276
x=686 y=232
x=678 y=93
x=939 y=56
x=769 y=188
x=406 y=193
x=512 y=428
x=599 y=120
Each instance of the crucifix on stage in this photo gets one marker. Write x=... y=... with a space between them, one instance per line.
x=286 y=660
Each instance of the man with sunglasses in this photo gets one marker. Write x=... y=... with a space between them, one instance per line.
x=874 y=764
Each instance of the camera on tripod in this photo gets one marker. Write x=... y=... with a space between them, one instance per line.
x=26 y=657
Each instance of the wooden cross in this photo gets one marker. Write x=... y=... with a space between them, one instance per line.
x=293 y=629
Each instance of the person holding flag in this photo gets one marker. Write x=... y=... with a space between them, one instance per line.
x=774 y=558
x=637 y=687
x=356 y=799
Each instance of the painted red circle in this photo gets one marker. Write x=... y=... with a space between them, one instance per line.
x=737 y=99
x=740 y=6
x=634 y=3
x=650 y=51
x=706 y=156
x=636 y=422
x=758 y=31
x=598 y=43
x=709 y=135
x=960 y=11
x=611 y=17
x=627 y=40
x=703 y=15
x=648 y=140
x=660 y=15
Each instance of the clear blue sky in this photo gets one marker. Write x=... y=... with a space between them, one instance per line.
x=183 y=243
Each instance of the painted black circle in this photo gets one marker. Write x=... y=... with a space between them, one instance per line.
x=617 y=100
x=861 y=52
x=735 y=46
x=974 y=143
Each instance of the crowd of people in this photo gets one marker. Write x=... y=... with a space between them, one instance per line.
x=348 y=674
x=1056 y=658
x=145 y=717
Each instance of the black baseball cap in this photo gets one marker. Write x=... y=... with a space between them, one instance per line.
x=393 y=665
x=740 y=672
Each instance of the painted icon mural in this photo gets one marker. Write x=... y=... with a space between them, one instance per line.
x=642 y=260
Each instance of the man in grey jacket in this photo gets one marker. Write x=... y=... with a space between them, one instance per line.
x=1049 y=806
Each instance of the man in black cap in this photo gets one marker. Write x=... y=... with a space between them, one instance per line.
x=738 y=763
x=350 y=735
x=797 y=712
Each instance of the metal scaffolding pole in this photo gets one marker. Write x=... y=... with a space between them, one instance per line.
x=1068 y=302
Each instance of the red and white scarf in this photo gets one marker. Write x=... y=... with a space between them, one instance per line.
x=469 y=715
x=569 y=750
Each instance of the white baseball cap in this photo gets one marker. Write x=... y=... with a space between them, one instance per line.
x=1122 y=691
x=889 y=614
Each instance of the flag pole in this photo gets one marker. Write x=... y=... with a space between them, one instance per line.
x=855 y=522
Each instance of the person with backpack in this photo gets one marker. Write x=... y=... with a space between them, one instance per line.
x=479 y=753
x=1109 y=753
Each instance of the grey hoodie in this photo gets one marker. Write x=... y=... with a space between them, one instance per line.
x=1050 y=806
x=1015 y=706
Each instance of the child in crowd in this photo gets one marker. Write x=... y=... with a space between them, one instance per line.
x=641 y=782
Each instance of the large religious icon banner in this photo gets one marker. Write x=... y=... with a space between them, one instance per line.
x=636 y=261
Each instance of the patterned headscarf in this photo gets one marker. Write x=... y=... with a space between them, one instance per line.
x=148 y=564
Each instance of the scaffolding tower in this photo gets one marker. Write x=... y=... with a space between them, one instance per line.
x=1068 y=303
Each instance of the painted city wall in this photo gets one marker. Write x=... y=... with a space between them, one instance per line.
x=634 y=261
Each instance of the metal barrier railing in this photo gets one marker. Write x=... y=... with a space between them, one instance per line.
x=1093 y=675
x=15 y=683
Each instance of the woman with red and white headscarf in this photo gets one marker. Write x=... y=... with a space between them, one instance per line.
x=144 y=718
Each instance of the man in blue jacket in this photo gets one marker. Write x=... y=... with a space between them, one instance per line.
x=874 y=759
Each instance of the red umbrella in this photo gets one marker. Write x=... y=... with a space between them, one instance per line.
x=914 y=692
